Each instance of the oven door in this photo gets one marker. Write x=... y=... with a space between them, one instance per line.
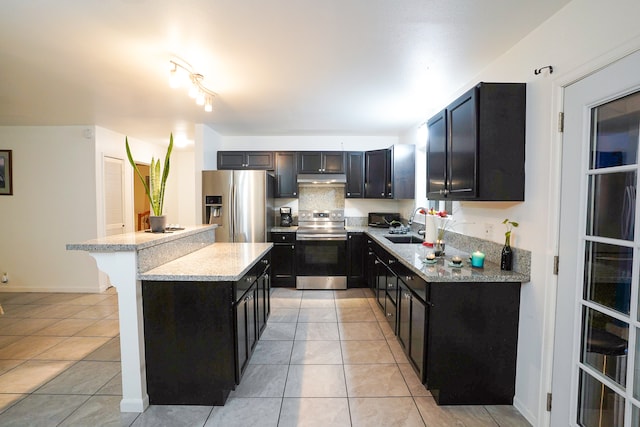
x=321 y=264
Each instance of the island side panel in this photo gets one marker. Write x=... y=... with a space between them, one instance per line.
x=473 y=339
x=189 y=342
x=154 y=256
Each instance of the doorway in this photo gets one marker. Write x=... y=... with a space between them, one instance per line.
x=596 y=374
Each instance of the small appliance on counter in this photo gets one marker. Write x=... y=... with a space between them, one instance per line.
x=382 y=219
x=286 y=220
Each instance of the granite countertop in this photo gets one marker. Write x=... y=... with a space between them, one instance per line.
x=412 y=256
x=291 y=229
x=135 y=241
x=218 y=262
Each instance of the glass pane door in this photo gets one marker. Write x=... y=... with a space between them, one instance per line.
x=609 y=386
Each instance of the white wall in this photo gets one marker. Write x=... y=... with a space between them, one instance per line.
x=53 y=204
x=582 y=37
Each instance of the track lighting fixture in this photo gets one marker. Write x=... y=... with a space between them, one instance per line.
x=182 y=71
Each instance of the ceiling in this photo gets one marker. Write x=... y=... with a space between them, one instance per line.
x=278 y=67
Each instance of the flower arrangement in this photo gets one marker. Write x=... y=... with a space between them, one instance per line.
x=443 y=222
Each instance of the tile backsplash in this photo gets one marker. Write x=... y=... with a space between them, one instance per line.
x=325 y=197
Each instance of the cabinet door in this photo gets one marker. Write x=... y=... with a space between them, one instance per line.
x=252 y=321
x=376 y=167
x=242 y=350
x=418 y=340
x=261 y=302
x=259 y=160
x=355 y=174
x=283 y=259
x=333 y=162
x=309 y=162
x=286 y=173
x=355 y=259
x=436 y=156
x=404 y=317
x=231 y=160
x=381 y=282
x=463 y=146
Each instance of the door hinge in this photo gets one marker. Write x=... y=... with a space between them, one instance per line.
x=561 y=121
x=548 y=402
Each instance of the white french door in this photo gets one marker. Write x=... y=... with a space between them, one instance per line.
x=596 y=366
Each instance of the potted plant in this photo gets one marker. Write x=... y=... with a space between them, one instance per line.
x=156 y=186
x=506 y=257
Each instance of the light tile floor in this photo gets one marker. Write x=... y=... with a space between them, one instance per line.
x=326 y=358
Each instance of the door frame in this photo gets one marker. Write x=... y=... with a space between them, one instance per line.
x=558 y=85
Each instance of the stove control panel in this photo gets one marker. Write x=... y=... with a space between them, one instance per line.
x=329 y=215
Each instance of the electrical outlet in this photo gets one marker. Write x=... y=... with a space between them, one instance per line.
x=5 y=278
x=488 y=231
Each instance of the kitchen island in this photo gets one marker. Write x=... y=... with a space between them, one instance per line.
x=125 y=258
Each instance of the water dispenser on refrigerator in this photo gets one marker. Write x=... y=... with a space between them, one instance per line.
x=213 y=209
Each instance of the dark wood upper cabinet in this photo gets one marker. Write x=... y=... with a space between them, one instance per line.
x=286 y=174
x=390 y=173
x=476 y=148
x=321 y=162
x=261 y=160
x=355 y=174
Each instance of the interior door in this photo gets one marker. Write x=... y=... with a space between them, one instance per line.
x=596 y=372
x=114 y=195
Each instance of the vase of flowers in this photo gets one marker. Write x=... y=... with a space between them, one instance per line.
x=506 y=257
x=155 y=188
x=442 y=223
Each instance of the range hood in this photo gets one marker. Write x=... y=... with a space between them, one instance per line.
x=321 y=179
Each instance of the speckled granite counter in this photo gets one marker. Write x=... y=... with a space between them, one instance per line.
x=412 y=255
x=291 y=229
x=216 y=262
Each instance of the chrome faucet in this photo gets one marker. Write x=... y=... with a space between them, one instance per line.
x=421 y=231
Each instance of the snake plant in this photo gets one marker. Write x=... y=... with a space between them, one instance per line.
x=157 y=178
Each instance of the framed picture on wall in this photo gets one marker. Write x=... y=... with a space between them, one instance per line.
x=6 y=168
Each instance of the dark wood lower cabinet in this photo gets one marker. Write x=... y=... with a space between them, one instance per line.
x=461 y=338
x=199 y=336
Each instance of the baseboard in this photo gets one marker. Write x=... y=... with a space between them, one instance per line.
x=517 y=403
x=58 y=289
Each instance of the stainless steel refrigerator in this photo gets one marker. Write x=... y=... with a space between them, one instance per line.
x=240 y=202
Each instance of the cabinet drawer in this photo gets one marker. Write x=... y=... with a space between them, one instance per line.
x=415 y=283
x=283 y=237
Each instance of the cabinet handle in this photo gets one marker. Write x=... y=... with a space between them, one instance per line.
x=265 y=261
x=382 y=194
x=350 y=237
x=266 y=276
x=376 y=261
x=408 y=278
x=392 y=261
x=369 y=253
x=293 y=246
x=389 y=315
x=390 y=285
x=248 y=279
x=295 y=194
x=348 y=194
x=284 y=237
x=390 y=195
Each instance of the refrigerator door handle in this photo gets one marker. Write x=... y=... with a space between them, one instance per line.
x=231 y=212
x=235 y=214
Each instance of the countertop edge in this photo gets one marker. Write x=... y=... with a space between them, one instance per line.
x=147 y=240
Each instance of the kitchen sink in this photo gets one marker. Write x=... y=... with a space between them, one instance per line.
x=404 y=239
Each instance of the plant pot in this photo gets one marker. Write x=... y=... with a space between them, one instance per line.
x=158 y=223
